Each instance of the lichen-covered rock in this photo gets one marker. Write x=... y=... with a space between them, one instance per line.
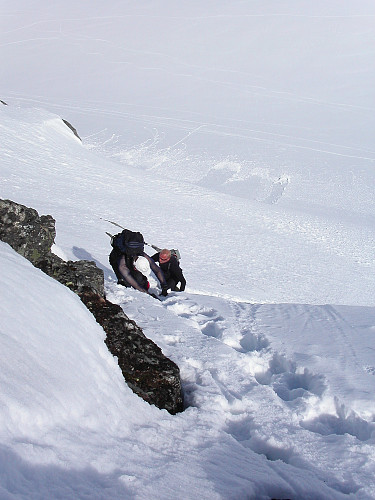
x=146 y=370
x=77 y=275
x=149 y=373
x=32 y=236
x=22 y=228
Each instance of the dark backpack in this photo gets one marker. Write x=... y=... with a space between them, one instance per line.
x=176 y=254
x=128 y=242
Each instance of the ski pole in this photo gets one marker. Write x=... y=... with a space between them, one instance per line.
x=111 y=222
x=122 y=227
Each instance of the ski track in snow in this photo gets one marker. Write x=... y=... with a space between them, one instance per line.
x=232 y=340
x=217 y=128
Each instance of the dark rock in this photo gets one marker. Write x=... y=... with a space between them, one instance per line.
x=32 y=236
x=77 y=275
x=71 y=128
x=22 y=228
x=146 y=370
x=149 y=373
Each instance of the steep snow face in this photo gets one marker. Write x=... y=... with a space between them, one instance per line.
x=242 y=134
x=231 y=246
x=57 y=369
x=188 y=90
x=273 y=411
x=274 y=391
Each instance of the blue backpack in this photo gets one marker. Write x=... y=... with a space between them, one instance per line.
x=128 y=242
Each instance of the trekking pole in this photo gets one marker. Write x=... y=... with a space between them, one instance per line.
x=158 y=249
x=111 y=222
x=153 y=246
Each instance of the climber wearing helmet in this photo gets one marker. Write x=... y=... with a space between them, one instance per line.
x=171 y=269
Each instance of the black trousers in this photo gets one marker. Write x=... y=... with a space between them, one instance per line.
x=114 y=259
x=171 y=284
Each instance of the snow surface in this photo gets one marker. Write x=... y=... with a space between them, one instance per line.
x=242 y=134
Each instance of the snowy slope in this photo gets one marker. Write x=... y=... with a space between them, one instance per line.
x=241 y=133
x=286 y=80
x=280 y=397
x=74 y=427
x=246 y=244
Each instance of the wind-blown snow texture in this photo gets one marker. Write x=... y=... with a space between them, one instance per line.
x=241 y=133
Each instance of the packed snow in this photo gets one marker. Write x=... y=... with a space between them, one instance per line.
x=240 y=133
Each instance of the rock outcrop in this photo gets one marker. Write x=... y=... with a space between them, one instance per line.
x=149 y=373
x=32 y=237
x=74 y=130
x=27 y=233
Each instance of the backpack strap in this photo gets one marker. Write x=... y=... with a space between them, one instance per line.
x=134 y=245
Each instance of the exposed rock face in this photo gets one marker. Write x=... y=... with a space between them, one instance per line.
x=72 y=129
x=22 y=228
x=147 y=371
x=76 y=275
x=150 y=374
x=32 y=236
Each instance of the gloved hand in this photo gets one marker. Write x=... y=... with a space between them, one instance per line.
x=164 y=291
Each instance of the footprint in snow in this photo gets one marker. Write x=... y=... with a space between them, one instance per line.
x=208 y=319
x=342 y=423
x=288 y=383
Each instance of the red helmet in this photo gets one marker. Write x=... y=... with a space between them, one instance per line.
x=164 y=256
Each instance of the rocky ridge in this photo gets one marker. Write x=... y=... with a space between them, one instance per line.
x=149 y=373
